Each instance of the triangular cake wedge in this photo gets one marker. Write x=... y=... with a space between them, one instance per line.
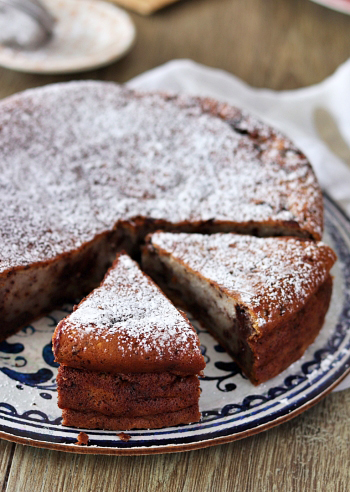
x=264 y=299
x=129 y=358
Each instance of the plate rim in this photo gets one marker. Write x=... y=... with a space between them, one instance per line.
x=173 y=448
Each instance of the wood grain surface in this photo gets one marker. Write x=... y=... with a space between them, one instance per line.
x=280 y=44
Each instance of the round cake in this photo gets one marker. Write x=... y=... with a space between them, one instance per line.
x=89 y=168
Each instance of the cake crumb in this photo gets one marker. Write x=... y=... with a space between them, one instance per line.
x=83 y=439
x=124 y=437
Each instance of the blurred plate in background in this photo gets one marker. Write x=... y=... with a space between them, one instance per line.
x=87 y=34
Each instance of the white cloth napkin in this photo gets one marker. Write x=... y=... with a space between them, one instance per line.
x=293 y=112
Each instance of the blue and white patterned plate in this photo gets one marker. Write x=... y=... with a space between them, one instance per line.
x=231 y=406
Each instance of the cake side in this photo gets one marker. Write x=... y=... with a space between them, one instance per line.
x=132 y=395
x=290 y=338
x=251 y=293
x=96 y=420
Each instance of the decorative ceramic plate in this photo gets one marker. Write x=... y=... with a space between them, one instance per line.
x=232 y=408
x=339 y=5
x=87 y=35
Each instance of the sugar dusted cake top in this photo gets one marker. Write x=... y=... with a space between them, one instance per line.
x=78 y=157
x=270 y=276
x=128 y=325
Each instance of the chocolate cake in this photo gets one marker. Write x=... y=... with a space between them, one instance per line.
x=264 y=299
x=89 y=168
x=129 y=359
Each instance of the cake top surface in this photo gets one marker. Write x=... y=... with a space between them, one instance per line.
x=272 y=277
x=128 y=320
x=78 y=157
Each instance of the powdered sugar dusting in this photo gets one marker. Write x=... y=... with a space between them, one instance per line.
x=268 y=275
x=129 y=307
x=76 y=158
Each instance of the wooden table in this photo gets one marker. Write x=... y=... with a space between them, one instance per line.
x=281 y=44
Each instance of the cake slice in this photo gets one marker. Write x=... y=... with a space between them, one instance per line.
x=264 y=299
x=128 y=358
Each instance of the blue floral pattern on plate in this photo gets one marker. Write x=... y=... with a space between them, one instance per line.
x=230 y=404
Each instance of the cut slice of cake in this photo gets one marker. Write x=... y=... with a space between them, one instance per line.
x=129 y=359
x=264 y=299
